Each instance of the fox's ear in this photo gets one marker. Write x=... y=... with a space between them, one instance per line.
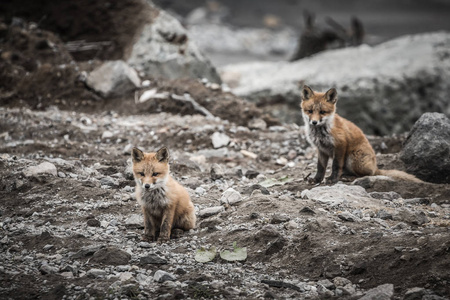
x=307 y=92
x=162 y=155
x=137 y=155
x=331 y=95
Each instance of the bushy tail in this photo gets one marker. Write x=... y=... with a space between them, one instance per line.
x=396 y=174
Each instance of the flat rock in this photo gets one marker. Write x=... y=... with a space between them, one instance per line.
x=111 y=256
x=211 y=211
x=231 y=197
x=45 y=168
x=336 y=194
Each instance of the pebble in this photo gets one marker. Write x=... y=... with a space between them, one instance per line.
x=231 y=197
x=163 y=276
x=219 y=139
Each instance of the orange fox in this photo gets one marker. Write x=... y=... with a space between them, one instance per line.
x=165 y=203
x=339 y=139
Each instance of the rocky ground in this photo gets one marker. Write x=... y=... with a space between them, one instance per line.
x=71 y=228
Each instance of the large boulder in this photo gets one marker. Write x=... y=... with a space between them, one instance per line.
x=426 y=151
x=383 y=89
x=163 y=49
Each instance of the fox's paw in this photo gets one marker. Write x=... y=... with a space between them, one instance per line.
x=177 y=233
x=331 y=180
x=148 y=238
x=162 y=240
x=314 y=180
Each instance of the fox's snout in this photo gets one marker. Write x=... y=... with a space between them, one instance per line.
x=147 y=186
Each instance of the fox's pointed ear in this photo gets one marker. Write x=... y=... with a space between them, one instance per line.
x=331 y=95
x=307 y=93
x=137 y=155
x=162 y=155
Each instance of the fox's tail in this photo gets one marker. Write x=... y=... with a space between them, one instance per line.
x=396 y=174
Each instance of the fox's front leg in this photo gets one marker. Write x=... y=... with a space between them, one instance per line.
x=149 y=226
x=337 y=167
x=166 y=226
x=322 y=163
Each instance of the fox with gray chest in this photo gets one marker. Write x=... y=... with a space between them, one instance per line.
x=166 y=204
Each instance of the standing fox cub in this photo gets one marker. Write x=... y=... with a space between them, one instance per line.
x=339 y=139
x=165 y=203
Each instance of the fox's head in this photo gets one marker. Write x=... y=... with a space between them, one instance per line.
x=318 y=108
x=151 y=170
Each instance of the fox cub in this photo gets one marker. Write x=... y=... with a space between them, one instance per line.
x=166 y=204
x=339 y=139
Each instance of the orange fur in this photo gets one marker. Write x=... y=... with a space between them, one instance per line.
x=165 y=203
x=338 y=138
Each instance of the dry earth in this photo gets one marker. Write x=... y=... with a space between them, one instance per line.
x=76 y=234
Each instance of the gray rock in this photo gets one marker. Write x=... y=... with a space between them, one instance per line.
x=216 y=172
x=93 y=223
x=279 y=218
x=341 y=281
x=381 y=292
x=111 y=256
x=231 y=197
x=326 y=283
x=211 y=211
x=113 y=78
x=384 y=215
x=385 y=195
x=426 y=152
x=94 y=273
x=257 y=123
x=135 y=220
x=346 y=216
x=412 y=217
x=46 y=269
x=219 y=139
x=163 y=49
x=336 y=194
x=41 y=169
x=152 y=259
x=418 y=293
x=162 y=276
x=367 y=79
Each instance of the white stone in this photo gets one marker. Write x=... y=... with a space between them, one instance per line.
x=41 y=169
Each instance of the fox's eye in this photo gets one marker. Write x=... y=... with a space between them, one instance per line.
x=322 y=112
x=155 y=174
x=142 y=174
x=310 y=111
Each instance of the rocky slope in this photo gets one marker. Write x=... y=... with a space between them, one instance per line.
x=71 y=228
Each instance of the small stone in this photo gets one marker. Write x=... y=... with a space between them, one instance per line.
x=326 y=283
x=211 y=211
x=41 y=169
x=341 y=281
x=348 y=217
x=135 y=220
x=291 y=225
x=219 y=139
x=107 y=134
x=61 y=174
x=111 y=256
x=152 y=259
x=162 y=276
x=281 y=161
x=257 y=123
x=94 y=273
x=231 y=197
x=279 y=218
x=251 y=174
x=384 y=215
x=46 y=269
x=216 y=172
x=93 y=223
x=124 y=276
x=307 y=210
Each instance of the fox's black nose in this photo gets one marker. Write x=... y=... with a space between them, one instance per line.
x=147 y=186
x=314 y=122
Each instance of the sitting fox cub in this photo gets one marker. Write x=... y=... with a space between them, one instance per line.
x=165 y=203
x=339 y=139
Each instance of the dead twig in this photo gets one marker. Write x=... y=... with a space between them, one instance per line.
x=187 y=98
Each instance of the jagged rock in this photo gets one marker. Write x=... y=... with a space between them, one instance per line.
x=41 y=169
x=426 y=151
x=113 y=78
x=381 y=292
x=220 y=139
x=368 y=79
x=216 y=172
x=152 y=259
x=412 y=217
x=94 y=273
x=163 y=49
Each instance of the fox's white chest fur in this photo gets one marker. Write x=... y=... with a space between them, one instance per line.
x=320 y=135
x=155 y=200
